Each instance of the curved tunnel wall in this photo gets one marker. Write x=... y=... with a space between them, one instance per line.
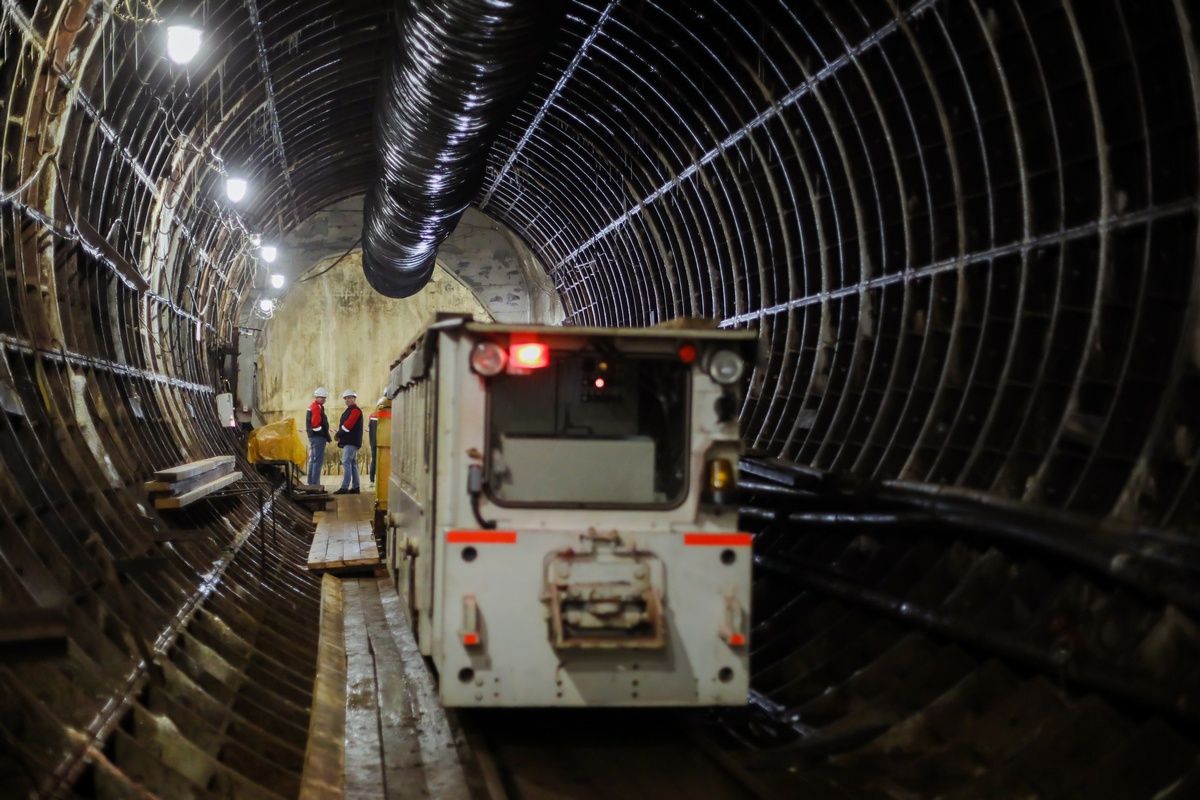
x=967 y=234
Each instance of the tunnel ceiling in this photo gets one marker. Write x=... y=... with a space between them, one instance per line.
x=967 y=232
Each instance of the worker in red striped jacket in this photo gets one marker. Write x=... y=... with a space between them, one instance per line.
x=317 y=425
x=349 y=438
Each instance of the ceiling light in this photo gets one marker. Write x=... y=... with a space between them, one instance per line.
x=266 y=305
x=235 y=188
x=183 y=43
x=269 y=251
x=277 y=281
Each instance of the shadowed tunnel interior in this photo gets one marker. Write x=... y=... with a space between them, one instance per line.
x=966 y=231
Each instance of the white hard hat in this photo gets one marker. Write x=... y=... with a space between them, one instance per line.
x=349 y=393
x=321 y=392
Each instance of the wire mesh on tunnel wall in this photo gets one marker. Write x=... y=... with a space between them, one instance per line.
x=967 y=231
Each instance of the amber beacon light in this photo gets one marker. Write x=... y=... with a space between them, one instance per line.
x=719 y=484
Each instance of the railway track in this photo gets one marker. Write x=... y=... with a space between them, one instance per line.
x=903 y=654
x=539 y=754
x=913 y=645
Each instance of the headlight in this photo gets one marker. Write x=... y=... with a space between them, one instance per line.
x=488 y=359
x=726 y=367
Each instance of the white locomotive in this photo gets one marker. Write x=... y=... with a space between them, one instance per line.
x=560 y=516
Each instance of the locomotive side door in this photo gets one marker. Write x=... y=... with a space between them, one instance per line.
x=428 y=456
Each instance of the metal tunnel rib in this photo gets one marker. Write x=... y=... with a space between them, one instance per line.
x=920 y=208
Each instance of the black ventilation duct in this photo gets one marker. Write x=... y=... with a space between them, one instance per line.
x=456 y=69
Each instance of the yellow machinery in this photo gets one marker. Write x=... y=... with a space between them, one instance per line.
x=278 y=441
x=383 y=465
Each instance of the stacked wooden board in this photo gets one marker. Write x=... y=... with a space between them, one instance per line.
x=178 y=486
x=344 y=541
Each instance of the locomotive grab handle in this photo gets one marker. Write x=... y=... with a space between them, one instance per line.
x=475 y=489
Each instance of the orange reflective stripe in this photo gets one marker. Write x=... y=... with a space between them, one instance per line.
x=384 y=415
x=481 y=537
x=718 y=539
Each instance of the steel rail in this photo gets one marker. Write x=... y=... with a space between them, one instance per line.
x=260 y=51
x=1119 y=683
x=1092 y=228
x=122 y=699
x=50 y=226
x=16 y=345
x=567 y=74
x=732 y=140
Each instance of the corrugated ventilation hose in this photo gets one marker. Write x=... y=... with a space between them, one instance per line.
x=456 y=70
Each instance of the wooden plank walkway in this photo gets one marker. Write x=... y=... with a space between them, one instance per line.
x=344 y=542
x=377 y=730
x=325 y=757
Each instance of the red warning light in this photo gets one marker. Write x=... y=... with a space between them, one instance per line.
x=530 y=355
x=687 y=353
x=599 y=383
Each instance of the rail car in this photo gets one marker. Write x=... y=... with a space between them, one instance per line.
x=560 y=514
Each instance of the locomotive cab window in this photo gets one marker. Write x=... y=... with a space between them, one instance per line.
x=590 y=429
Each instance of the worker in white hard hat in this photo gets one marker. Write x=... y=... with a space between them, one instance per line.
x=317 y=425
x=349 y=438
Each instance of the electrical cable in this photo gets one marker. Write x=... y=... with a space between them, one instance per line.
x=340 y=259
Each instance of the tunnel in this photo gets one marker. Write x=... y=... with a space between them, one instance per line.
x=967 y=233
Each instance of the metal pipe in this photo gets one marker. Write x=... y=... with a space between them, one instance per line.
x=1104 y=677
x=1152 y=569
x=1157 y=563
x=457 y=68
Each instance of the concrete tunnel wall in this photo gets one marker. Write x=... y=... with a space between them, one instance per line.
x=967 y=234
x=338 y=333
x=330 y=328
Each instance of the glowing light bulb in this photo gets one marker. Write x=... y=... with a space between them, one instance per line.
x=277 y=281
x=530 y=355
x=268 y=252
x=235 y=188
x=183 y=43
x=266 y=305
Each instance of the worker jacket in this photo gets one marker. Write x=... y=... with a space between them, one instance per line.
x=351 y=429
x=316 y=422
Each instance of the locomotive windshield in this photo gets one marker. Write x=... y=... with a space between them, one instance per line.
x=590 y=429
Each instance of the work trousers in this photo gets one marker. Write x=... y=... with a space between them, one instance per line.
x=316 y=458
x=349 y=467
